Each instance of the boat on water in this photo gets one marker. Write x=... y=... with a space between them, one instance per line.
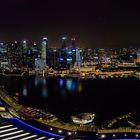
x=83 y=118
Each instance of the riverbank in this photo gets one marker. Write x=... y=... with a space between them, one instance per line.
x=28 y=113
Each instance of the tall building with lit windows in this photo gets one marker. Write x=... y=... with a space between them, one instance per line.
x=24 y=46
x=73 y=49
x=64 y=42
x=14 y=54
x=24 y=52
x=73 y=43
x=78 y=57
x=44 y=46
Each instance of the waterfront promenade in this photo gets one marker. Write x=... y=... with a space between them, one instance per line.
x=66 y=128
x=21 y=112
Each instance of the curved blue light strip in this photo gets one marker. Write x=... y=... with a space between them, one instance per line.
x=32 y=127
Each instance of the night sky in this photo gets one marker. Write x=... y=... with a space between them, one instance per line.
x=94 y=23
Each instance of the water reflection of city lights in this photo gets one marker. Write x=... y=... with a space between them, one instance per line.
x=44 y=92
x=39 y=80
x=61 y=82
x=80 y=88
x=70 y=85
x=44 y=81
x=36 y=82
x=24 y=92
x=73 y=87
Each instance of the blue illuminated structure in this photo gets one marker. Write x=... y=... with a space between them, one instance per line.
x=29 y=52
x=61 y=59
x=73 y=50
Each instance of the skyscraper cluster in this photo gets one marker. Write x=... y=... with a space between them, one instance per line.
x=39 y=55
x=24 y=55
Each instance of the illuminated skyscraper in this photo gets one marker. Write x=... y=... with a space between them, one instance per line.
x=73 y=43
x=3 y=51
x=14 y=54
x=35 y=50
x=73 y=50
x=64 y=42
x=44 y=47
x=24 y=53
x=78 y=57
x=25 y=47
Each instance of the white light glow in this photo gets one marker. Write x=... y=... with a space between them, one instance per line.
x=12 y=133
x=59 y=131
x=26 y=138
x=14 y=137
x=103 y=136
x=7 y=130
x=45 y=38
x=41 y=138
x=51 y=139
x=24 y=41
x=114 y=135
x=64 y=38
x=51 y=129
x=125 y=135
x=69 y=133
x=2 y=127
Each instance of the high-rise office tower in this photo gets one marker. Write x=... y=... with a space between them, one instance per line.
x=25 y=46
x=24 y=53
x=35 y=50
x=78 y=57
x=14 y=54
x=73 y=42
x=44 y=46
x=3 y=51
x=73 y=49
x=64 y=42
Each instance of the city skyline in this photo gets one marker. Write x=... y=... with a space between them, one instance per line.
x=95 y=24
x=69 y=69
